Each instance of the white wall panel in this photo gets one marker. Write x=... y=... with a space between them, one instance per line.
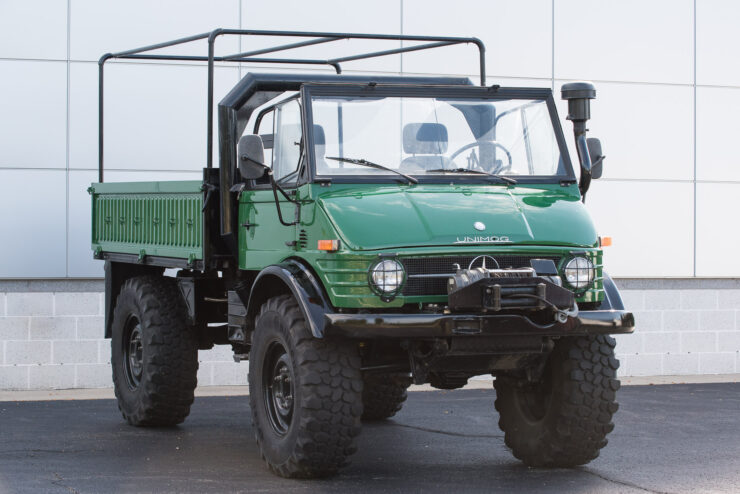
x=514 y=81
x=646 y=130
x=629 y=40
x=155 y=115
x=378 y=17
x=717 y=42
x=33 y=29
x=83 y=114
x=518 y=36
x=98 y=27
x=33 y=222
x=716 y=240
x=33 y=118
x=651 y=224
x=717 y=133
x=80 y=260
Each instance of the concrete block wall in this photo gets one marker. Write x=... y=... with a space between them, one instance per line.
x=683 y=327
x=52 y=338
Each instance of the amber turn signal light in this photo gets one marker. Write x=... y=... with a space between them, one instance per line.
x=329 y=245
x=605 y=241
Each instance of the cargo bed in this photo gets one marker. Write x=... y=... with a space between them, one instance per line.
x=149 y=222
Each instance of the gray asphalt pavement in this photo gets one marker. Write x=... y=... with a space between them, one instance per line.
x=668 y=439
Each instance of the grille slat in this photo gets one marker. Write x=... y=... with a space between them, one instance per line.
x=444 y=265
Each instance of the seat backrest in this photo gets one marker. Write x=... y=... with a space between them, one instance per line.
x=319 y=142
x=426 y=142
x=424 y=138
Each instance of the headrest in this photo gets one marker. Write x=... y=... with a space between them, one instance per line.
x=424 y=138
x=319 y=139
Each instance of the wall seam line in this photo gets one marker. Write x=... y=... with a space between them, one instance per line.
x=694 y=120
x=67 y=140
x=552 y=46
x=239 y=38
x=400 y=29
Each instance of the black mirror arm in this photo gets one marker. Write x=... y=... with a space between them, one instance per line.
x=597 y=162
x=586 y=165
x=275 y=188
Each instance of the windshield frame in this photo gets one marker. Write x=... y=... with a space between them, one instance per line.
x=308 y=91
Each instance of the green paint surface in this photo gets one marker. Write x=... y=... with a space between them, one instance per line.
x=412 y=221
x=165 y=219
x=382 y=217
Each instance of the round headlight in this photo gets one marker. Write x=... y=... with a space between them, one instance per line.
x=579 y=272
x=386 y=276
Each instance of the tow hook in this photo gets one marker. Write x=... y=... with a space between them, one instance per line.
x=562 y=316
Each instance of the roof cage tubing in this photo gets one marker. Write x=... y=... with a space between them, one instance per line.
x=316 y=38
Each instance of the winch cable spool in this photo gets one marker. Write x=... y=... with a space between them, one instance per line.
x=465 y=277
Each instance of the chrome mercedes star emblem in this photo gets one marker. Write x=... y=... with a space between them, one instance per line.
x=485 y=262
x=479 y=226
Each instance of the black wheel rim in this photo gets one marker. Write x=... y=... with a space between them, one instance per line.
x=277 y=384
x=133 y=353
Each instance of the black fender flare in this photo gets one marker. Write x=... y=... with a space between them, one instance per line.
x=292 y=276
x=612 y=298
x=116 y=274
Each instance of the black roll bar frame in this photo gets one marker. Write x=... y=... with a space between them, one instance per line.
x=431 y=42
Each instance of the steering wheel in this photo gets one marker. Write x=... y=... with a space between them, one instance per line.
x=479 y=144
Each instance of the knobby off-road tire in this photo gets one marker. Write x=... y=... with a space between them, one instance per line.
x=562 y=421
x=383 y=395
x=154 y=354
x=305 y=394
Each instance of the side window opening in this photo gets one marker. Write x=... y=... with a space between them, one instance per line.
x=288 y=147
x=265 y=129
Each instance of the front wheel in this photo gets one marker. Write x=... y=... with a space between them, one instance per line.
x=563 y=419
x=305 y=394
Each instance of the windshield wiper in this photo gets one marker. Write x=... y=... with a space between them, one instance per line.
x=477 y=172
x=370 y=164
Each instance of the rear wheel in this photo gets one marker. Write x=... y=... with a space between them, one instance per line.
x=154 y=353
x=383 y=395
x=305 y=394
x=563 y=419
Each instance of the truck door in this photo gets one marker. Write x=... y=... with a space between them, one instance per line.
x=263 y=240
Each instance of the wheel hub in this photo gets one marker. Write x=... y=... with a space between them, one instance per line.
x=134 y=354
x=278 y=382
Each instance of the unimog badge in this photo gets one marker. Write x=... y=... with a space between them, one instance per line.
x=487 y=239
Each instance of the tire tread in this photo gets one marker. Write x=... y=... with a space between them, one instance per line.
x=331 y=404
x=575 y=430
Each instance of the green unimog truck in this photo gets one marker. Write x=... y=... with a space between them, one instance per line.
x=360 y=234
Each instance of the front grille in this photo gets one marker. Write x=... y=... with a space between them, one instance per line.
x=444 y=267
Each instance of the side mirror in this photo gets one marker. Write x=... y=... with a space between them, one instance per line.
x=251 y=157
x=597 y=157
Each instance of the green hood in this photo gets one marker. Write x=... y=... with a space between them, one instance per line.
x=384 y=217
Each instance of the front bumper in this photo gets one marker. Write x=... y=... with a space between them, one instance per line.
x=375 y=326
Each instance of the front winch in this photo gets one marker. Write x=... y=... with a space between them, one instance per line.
x=481 y=289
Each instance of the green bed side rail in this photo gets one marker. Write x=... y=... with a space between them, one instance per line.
x=148 y=219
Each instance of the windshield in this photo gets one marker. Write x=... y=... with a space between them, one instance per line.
x=424 y=136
